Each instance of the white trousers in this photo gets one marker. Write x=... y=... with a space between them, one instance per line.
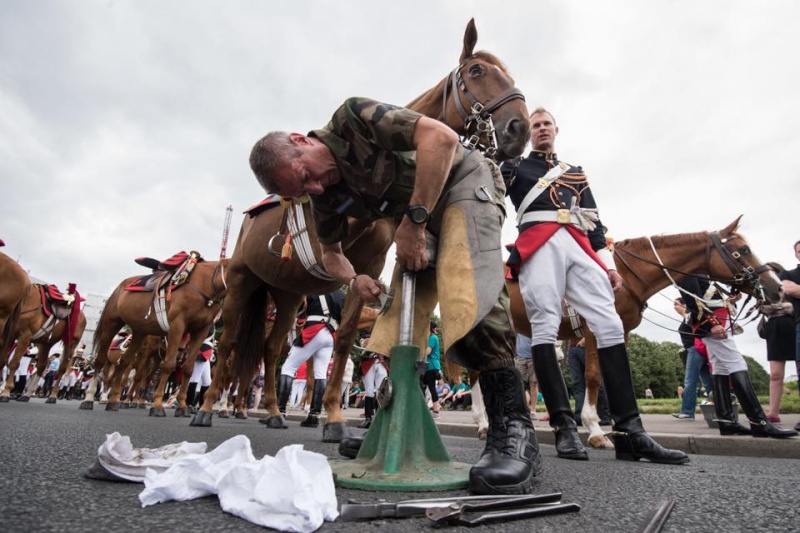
x=724 y=355
x=201 y=373
x=561 y=269
x=22 y=370
x=373 y=378
x=320 y=348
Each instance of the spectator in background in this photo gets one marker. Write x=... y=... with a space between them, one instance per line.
x=780 y=333
x=697 y=366
x=298 y=385
x=462 y=396
x=434 y=368
x=524 y=363
x=791 y=284
x=347 y=379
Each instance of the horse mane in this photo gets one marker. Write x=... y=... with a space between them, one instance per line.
x=640 y=244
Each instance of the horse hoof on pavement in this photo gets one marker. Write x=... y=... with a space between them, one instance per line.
x=181 y=413
x=88 y=405
x=124 y=405
x=24 y=399
x=241 y=416
x=275 y=422
x=159 y=413
x=51 y=400
x=112 y=406
x=202 y=419
x=223 y=413
x=5 y=399
x=601 y=442
x=335 y=432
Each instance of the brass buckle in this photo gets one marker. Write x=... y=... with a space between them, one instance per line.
x=563 y=216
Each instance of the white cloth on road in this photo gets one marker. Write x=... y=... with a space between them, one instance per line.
x=118 y=456
x=292 y=491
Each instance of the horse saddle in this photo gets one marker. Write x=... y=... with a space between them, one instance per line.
x=54 y=303
x=173 y=271
x=170 y=264
x=150 y=282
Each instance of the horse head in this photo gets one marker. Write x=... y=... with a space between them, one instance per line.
x=479 y=100
x=736 y=261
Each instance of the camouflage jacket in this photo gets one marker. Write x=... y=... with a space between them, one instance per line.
x=373 y=146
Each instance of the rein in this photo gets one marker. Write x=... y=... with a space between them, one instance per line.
x=480 y=119
x=216 y=299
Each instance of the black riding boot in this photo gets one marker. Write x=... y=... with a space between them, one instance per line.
x=19 y=387
x=68 y=395
x=312 y=420
x=723 y=407
x=369 y=412
x=200 y=396
x=760 y=426
x=554 y=391
x=511 y=459
x=630 y=439
x=191 y=391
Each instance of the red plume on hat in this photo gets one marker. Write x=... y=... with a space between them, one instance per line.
x=71 y=288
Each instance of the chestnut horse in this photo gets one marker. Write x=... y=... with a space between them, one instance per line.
x=33 y=326
x=14 y=285
x=257 y=275
x=190 y=309
x=648 y=265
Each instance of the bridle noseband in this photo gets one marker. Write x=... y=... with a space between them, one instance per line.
x=479 y=122
x=733 y=259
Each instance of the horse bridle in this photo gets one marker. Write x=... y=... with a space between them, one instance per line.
x=216 y=299
x=479 y=122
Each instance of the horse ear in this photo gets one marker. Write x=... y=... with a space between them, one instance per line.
x=470 y=38
x=733 y=226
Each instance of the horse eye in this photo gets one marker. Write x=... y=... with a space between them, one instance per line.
x=475 y=71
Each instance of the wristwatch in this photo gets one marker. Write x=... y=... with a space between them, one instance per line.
x=418 y=214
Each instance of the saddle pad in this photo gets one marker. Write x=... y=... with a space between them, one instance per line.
x=141 y=285
x=269 y=202
x=174 y=262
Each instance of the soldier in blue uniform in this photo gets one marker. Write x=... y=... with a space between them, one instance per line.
x=561 y=252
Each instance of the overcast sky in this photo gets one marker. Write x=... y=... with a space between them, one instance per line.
x=125 y=126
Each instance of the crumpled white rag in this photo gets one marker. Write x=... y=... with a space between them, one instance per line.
x=118 y=456
x=292 y=491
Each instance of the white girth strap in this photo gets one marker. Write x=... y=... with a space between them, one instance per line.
x=160 y=305
x=299 y=232
x=46 y=328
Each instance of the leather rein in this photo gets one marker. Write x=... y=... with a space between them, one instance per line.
x=216 y=298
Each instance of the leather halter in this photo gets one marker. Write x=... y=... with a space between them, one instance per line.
x=480 y=119
x=216 y=299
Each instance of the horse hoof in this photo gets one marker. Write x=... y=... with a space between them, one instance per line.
x=482 y=433
x=600 y=442
x=223 y=413
x=202 y=419
x=5 y=399
x=86 y=406
x=142 y=406
x=124 y=405
x=53 y=400
x=158 y=413
x=241 y=416
x=335 y=432
x=112 y=406
x=275 y=422
x=24 y=399
x=180 y=413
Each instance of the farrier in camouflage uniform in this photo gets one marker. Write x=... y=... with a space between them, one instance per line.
x=373 y=145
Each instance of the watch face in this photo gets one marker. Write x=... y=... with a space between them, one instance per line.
x=418 y=214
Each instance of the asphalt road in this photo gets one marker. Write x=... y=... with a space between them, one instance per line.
x=45 y=448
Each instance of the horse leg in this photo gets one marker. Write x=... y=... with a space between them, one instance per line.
x=219 y=379
x=33 y=379
x=192 y=349
x=589 y=418
x=478 y=407
x=286 y=306
x=167 y=367
x=13 y=364
x=335 y=428
x=122 y=371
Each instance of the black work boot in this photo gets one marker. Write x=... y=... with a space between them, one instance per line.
x=369 y=411
x=511 y=458
x=312 y=420
x=630 y=439
x=554 y=391
x=723 y=408
x=760 y=426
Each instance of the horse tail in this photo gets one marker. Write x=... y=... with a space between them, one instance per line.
x=10 y=328
x=250 y=333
